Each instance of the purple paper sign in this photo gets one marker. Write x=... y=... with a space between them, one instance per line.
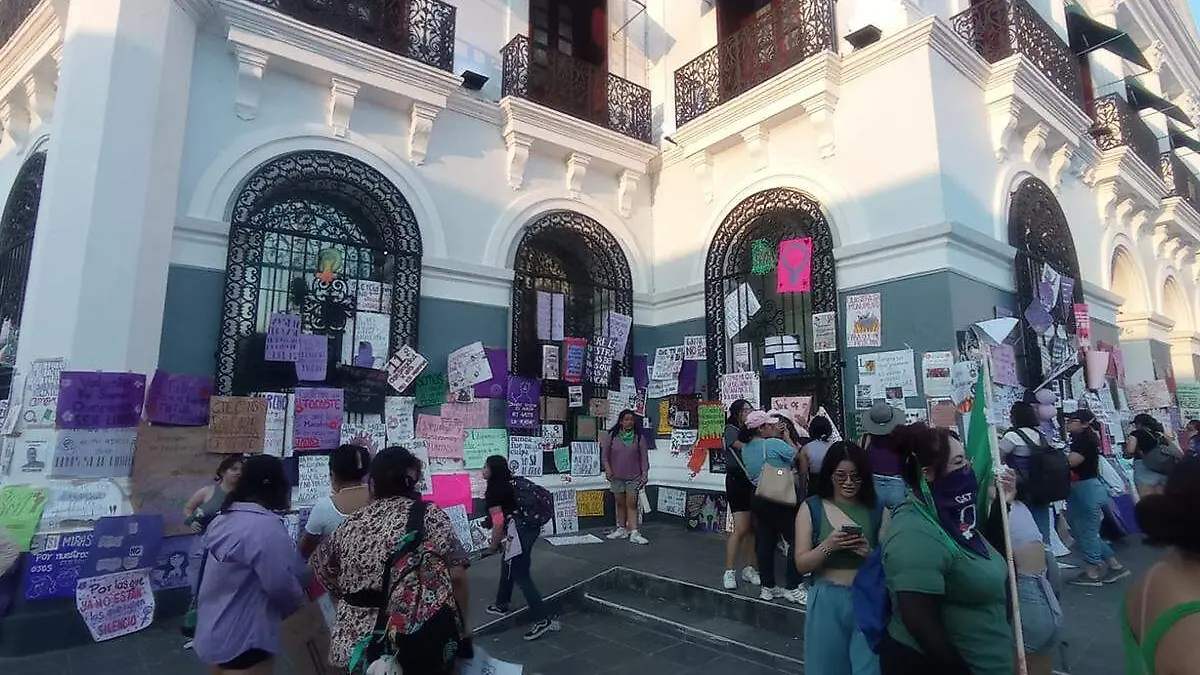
x=179 y=400
x=283 y=337
x=318 y=422
x=53 y=571
x=312 y=360
x=123 y=543
x=177 y=564
x=496 y=387
x=1066 y=291
x=641 y=371
x=100 y=400
x=687 y=377
x=1036 y=314
x=524 y=397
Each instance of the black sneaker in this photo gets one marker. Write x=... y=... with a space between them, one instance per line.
x=1085 y=579
x=495 y=610
x=1116 y=574
x=541 y=628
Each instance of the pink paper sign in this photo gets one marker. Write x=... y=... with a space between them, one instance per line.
x=1004 y=366
x=451 y=489
x=1083 y=326
x=444 y=437
x=795 y=266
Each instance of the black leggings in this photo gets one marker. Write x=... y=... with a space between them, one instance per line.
x=771 y=522
x=245 y=660
x=896 y=658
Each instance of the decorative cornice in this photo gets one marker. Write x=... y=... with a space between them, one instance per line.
x=569 y=134
x=1145 y=326
x=339 y=108
x=1016 y=78
x=932 y=31
x=420 y=128
x=1102 y=304
x=199 y=10
x=1121 y=175
x=38 y=37
x=945 y=246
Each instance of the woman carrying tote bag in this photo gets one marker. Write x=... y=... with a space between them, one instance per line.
x=768 y=462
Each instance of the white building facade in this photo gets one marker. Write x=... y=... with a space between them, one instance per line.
x=174 y=166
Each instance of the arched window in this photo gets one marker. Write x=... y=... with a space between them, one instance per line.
x=16 y=249
x=745 y=250
x=1038 y=230
x=329 y=238
x=566 y=253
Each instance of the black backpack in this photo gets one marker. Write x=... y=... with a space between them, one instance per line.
x=534 y=503
x=1049 y=477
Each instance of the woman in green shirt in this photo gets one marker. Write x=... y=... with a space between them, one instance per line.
x=948 y=584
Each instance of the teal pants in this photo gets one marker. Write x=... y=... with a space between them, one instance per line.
x=833 y=644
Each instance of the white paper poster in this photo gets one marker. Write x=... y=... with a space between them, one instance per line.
x=373 y=296
x=81 y=501
x=467 y=366
x=366 y=340
x=117 y=604
x=16 y=400
x=461 y=524
x=668 y=361
x=585 y=459
x=369 y=435
x=93 y=453
x=404 y=367
x=32 y=456
x=417 y=448
x=575 y=396
x=896 y=369
x=275 y=435
x=662 y=388
x=525 y=455
x=864 y=320
x=314 y=478
x=935 y=372
x=672 y=502
x=741 y=357
x=824 y=332
x=566 y=511
x=41 y=393
x=557 y=305
x=740 y=305
x=740 y=385
x=398 y=418
x=551 y=363
x=617 y=326
x=695 y=348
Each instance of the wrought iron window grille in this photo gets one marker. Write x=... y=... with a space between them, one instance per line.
x=422 y=30
x=311 y=233
x=1180 y=180
x=1118 y=124
x=774 y=215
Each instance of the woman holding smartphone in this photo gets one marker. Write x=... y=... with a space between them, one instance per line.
x=836 y=529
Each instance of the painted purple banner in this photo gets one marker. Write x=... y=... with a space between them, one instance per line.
x=100 y=400
x=53 y=570
x=524 y=397
x=687 y=377
x=179 y=400
x=177 y=564
x=318 y=419
x=312 y=360
x=496 y=387
x=123 y=543
x=641 y=371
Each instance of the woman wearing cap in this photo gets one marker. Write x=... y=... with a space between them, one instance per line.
x=1147 y=433
x=771 y=520
x=878 y=423
x=1086 y=503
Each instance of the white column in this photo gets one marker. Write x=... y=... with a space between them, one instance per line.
x=1138 y=333
x=98 y=274
x=1184 y=349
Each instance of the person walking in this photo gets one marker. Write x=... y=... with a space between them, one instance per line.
x=251 y=579
x=626 y=462
x=773 y=520
x=738 y=493
x=1146 y=438
x=1085 y=506
x=199 y=511
x=878 y=422
x=836 y=529
x=1017 y=447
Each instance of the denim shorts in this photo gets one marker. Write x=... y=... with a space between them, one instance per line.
x=624 y=486
x=1144 y=476
x=1038 y=622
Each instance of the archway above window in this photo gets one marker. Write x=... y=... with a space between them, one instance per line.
x=327 y=237
x=744 y=250
x=570 y=254
x=17 y=227
x=1038 y=230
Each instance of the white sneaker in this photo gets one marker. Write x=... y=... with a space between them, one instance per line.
x=729 y=580
x=636 y=537
x=751 y=575
x=770 y=594
x=798 y=595
x=619 y=533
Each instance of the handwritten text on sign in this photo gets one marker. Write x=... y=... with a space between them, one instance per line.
x=115 y=604
x=100 y=400
x=237 y=425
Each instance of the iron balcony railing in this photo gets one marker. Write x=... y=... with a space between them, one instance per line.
x=576 y=88
x=422 y=30
x=998 y=29
x=1118 y=124
x=790 y=33
x=1180 y=180
x=12 y=14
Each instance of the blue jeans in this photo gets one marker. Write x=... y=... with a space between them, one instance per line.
x=833 y=644
x=517 y=571
x=890 y=490
x=1085 y=512
x=1039 y=616
x=1041 y=518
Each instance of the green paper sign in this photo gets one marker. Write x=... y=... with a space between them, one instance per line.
x=483 y=443
x=562 y=460
x=1187 y=394
x=712 y=420
x=762 y=257
x=431 y=389
x=20 y=512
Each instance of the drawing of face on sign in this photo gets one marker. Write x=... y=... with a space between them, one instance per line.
x=795 y=265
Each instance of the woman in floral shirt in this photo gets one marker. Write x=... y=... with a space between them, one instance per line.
x=427 y=603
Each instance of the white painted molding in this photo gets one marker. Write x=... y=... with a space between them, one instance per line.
x=757 y=140
x=518 y=146
x=420 y=129
x=946 y=246
x=41 y=88
x=702 y=165
x=14 y=117
x=1035 y=143
x=1060 y=162
x=1005 y=116
x=1102 y=305
x=251 y=64
x=557 y=132
x=199 y=10
x=39 y=36
x=340 y=105
x=576 y=169
x=627 y=186
x=1146 y=326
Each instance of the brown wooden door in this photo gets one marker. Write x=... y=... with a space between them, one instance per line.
x=568 y=66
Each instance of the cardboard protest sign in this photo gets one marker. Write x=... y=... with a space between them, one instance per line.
x=169 y=464
x=237 y=425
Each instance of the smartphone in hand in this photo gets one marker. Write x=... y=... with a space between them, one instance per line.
x=853 y=530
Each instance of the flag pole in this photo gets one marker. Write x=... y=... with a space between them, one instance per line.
x=1018 y=633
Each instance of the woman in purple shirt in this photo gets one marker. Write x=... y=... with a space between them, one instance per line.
x=878 y=422
x=250 y=579
x=626 y=463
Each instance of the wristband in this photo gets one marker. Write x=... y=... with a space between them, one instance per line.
x=824 y=549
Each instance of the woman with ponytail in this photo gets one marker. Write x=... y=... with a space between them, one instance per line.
x=425 y=602
x=347 y=469
x=1161 y=612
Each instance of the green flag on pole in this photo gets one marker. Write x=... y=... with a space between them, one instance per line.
x=979 y=444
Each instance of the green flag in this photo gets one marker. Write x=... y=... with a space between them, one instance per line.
x=979 y=447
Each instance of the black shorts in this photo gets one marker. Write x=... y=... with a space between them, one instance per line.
x=738 y=491
x=247 y=659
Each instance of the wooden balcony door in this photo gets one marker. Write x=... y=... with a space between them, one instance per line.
x=569 y=61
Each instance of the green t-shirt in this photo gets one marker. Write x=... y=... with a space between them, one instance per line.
x=919 y=557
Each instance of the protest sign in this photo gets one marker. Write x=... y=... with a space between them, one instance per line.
x=483 y=443
x=283 y=337
x=168 y=465
x=115 y=604
x=318 y=419
x=431 y=389
x=237 y=425
x=404 y=367
x=53 y=564
x=524 y=398
x=123 y=543
x=467 y=366
x=41 y=393
x=93 y=453
x=181 y=400
x=20 y=511
x=312 y=358
x=100 y=400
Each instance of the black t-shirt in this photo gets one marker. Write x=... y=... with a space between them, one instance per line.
x=1145 y=441
x=1087 y=445
x=500 y=493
